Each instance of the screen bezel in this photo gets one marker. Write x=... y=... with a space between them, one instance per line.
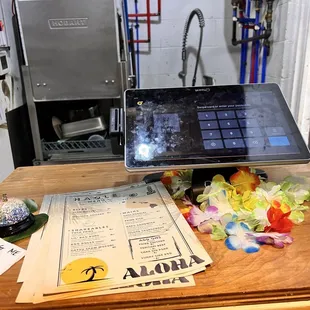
x=223 y=161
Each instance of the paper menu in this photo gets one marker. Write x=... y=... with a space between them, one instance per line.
x=111 y=241
x=78 y=232
x=48 y=201
x=9 y=255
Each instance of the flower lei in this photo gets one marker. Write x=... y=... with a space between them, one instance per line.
x=247 y=211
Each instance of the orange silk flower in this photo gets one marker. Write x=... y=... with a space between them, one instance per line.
x=244 y=180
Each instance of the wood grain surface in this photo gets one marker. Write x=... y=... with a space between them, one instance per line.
x=280 y=278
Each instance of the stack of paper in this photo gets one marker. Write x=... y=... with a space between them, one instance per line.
x=9 y=255
x=110 y=241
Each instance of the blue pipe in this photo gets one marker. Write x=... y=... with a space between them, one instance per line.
x=242 y=59
x=257 y=46
x=246 y=20
x=248 y=12
x=256 y=65
x=264 y=64
x=246 y=36
x=248 y=9
x=257 y=16
x=241 y=78
x=125 y=3
x=235 y=13
x=242 y=48
x=137 y=45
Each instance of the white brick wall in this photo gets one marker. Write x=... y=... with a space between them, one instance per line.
x=293 y=49
x=160 y=66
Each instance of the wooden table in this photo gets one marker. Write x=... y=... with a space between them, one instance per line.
x=269 y=279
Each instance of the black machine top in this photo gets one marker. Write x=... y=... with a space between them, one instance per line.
x=212 y=126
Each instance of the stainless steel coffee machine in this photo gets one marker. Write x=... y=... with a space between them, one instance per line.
x=75 y=71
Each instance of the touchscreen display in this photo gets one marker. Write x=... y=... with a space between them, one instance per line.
x=210 y=125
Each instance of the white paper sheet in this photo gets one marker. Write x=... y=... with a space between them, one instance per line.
x=9 y=255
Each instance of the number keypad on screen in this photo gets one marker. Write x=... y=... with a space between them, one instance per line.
x=238 y=129
x=206 y=116
x=226 y=114
x=231 y=133
x=208 y=125
x=230 y=123
x=248 y=123
x=211 y=134
x=251 y=132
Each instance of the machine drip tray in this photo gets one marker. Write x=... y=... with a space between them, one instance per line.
x=79 y=150
x=74 y=146
x=81 y=158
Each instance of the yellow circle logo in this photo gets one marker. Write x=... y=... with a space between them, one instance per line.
x=84 y=270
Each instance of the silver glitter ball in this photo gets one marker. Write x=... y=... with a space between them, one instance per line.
x=12 y=211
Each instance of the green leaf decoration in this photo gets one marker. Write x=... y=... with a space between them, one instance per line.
x=31 y=205
x=218 y=232
x=260 y=228
x=203 y=206
x=186 y=174
x=40 y=220
x=178 y=195
x=202 y=197
x=297 y=217
x=301 y=208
